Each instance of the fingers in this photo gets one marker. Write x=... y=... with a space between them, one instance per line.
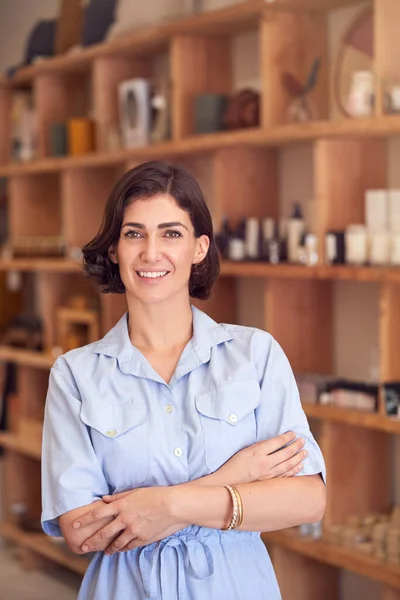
x=289 y=467
x=276 y=443
x=297 y=469
x=112 y=497
x=103 y=536
x=101 y=512
x=123 y=543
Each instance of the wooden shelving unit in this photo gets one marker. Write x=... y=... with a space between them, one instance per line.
x=336 y=556
x=40 y=544
x=240 y=174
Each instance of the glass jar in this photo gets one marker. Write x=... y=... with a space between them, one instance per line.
x=361 y=96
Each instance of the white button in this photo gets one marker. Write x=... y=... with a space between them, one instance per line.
x=111 y=433
x=168 y=408
x=233 y=418
x=178 y=451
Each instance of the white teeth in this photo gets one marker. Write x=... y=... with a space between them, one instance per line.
x=152 y=274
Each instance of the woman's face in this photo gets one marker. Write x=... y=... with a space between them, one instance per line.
x=156 y=249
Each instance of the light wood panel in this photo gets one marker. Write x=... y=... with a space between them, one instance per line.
x=302 y=578
x=355 y=418
x=245 y=184
x=84 y=196
x=222 y=305
x=5 y=125
x=42 y=545
x=22 y=484
x=198 y=65
x=290 y=42
x=299 y=315
x=344 y=171
x=339 y=556
x=113 y=306
x=352 y=455
x=389 y=323
x=386 y=47
x=34 y=206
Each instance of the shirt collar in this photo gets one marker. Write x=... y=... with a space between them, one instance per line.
x=117 y=344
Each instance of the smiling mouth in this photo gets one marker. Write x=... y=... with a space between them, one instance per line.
x=152 y=274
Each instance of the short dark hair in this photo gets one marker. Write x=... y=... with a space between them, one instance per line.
x=144 y=181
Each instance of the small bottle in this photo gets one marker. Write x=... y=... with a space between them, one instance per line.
x=296 y=226
x=267 y=234
x=252 y=235
x=311 y=246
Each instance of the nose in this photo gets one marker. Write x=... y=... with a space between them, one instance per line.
x=151 y=252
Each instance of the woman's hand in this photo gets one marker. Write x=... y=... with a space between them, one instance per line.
x=280 y=456
x=141 y=516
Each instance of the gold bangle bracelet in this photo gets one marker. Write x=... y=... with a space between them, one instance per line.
x=237 y=508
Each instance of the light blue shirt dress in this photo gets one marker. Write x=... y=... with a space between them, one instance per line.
x=113 y=424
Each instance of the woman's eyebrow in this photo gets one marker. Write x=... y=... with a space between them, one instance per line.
x=160 y=226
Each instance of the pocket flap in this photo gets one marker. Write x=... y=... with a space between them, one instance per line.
x=113 y=420
x=229 y=402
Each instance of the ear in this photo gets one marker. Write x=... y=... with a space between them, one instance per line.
x=202 y=246
x=112 y=255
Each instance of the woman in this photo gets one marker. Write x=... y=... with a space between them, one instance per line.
x=165 y=442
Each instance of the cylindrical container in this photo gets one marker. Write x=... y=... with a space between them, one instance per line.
x=81 y=137
x=295 y=231
x=356 y=245
x=209 y=111
x=252 y=236
x=58 y=139
x=379 y=248
x=395 y=98
x=395 y=249
x=236 y=249
x=311 y=246
x=330 y=248
x=361 y=96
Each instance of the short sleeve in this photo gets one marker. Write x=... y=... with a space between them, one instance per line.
x=280 y=409
x=71 y=473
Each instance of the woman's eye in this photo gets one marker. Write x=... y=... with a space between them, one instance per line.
x=173 y=234
x=132 y=234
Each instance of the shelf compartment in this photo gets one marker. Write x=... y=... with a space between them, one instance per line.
x=338 y=556
x=40 y=544
x=35 y=206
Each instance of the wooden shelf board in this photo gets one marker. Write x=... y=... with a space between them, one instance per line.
x=41 y=544
x=27 y=358
x=353 y=417
x=386 y=126
x=233 y=269
x=290 y=271
x=21 y=445
x=338 y=556
x=225 y=21
x=153 y=39
x=57 y=265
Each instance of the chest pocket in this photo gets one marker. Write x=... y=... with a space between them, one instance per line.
x=228 y=420
x=119 y=436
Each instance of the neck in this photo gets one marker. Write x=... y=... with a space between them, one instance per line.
x=160 y=328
